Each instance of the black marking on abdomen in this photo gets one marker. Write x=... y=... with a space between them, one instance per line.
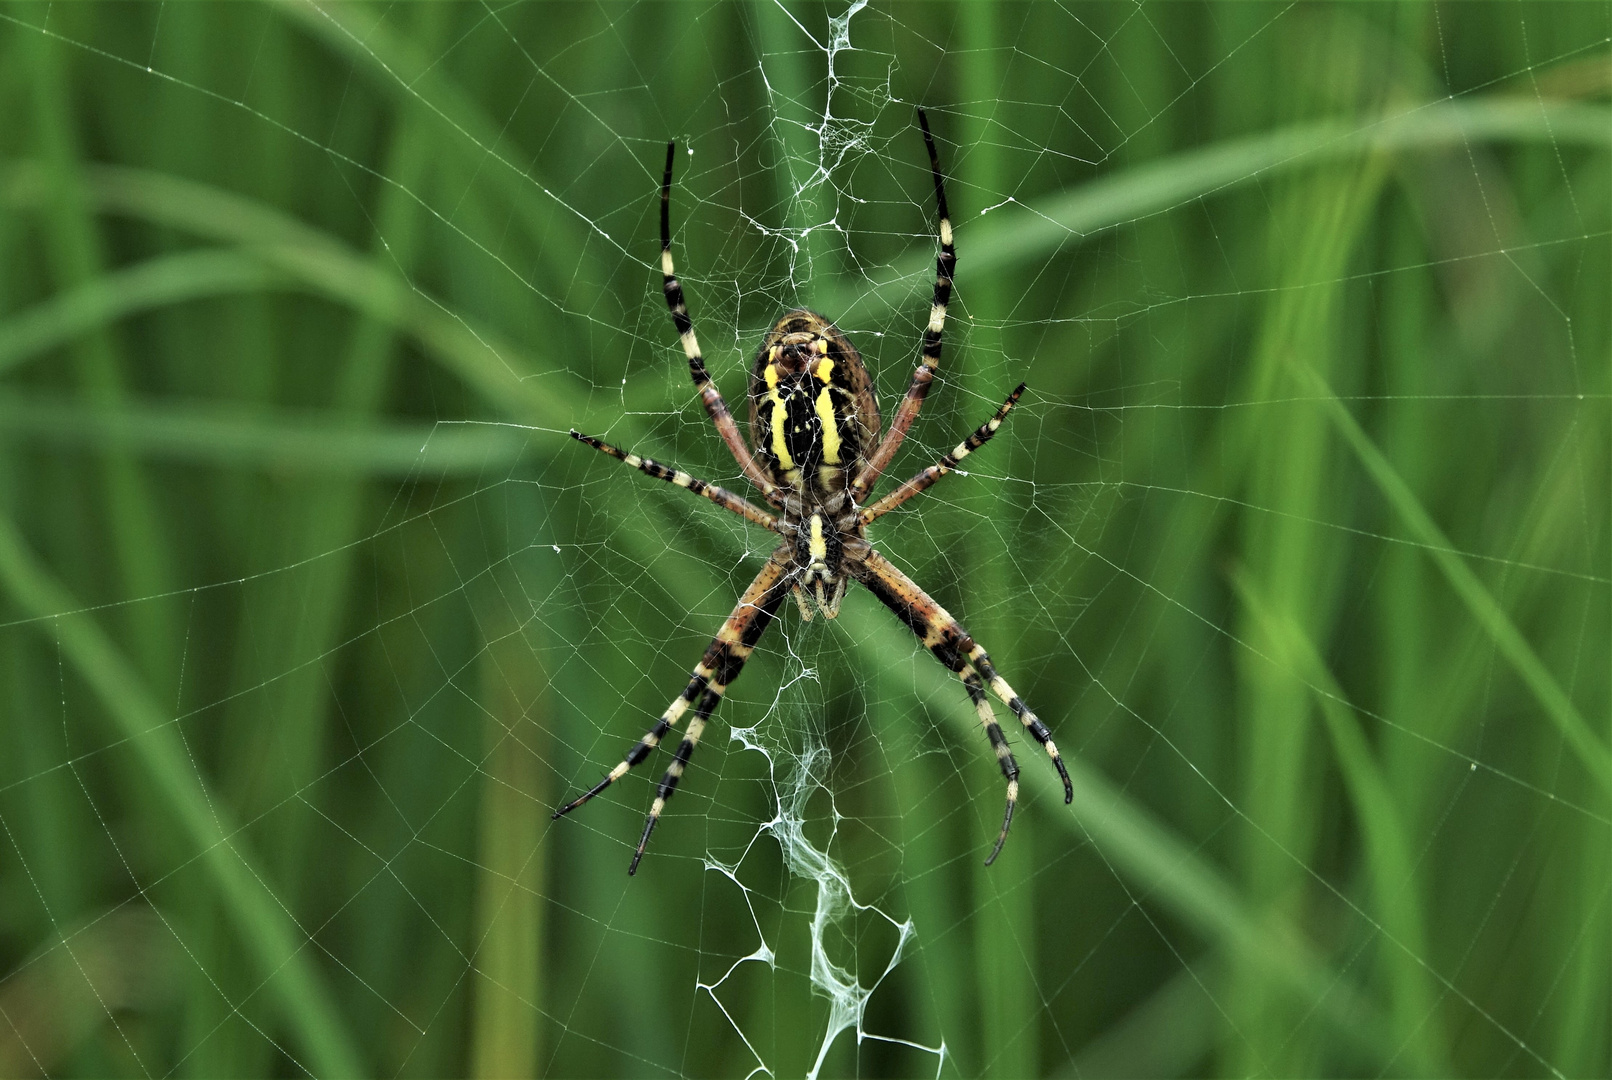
x=802 y=429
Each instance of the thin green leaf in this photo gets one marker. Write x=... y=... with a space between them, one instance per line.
x=233 y=436
x=158 y=282
x=1586 y=746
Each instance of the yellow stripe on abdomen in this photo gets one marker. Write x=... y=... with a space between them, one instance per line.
x=829 y=422
x=780 y=416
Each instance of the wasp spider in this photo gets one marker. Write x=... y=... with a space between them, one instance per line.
x=814 y=426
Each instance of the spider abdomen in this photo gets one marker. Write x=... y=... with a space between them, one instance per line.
x=812 y=410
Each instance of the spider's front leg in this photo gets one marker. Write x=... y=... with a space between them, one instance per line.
x=945 y=637
x=724 y=498
x=929 y=362
x=921 y=483
x=710 y=396
x=721 y=664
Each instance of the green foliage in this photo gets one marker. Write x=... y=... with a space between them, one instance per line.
x=310 y=612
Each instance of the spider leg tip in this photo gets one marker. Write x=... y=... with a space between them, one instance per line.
x=997 y=850
x=1068 y=788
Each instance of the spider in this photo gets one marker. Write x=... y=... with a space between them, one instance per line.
x=814 y=426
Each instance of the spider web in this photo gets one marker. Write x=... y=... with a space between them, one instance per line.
x=1307 y=571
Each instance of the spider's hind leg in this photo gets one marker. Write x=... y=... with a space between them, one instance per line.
x=1032 y=723
x=999 y=745
x=945 y=637
x=721 y=664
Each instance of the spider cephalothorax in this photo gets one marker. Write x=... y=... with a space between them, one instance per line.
x=814 y=430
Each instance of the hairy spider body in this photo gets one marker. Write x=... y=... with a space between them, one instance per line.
x=815 y=452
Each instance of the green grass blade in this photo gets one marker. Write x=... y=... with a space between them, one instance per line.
x=1591 y=752
x=500 y=371
x=105 y=298
x=399 y=65
x=279 y=441
x=77 y=256
x=511 y=886
x=281 y=950
x=1387 y=850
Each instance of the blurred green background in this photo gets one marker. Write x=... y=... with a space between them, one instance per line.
x=310 y=612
